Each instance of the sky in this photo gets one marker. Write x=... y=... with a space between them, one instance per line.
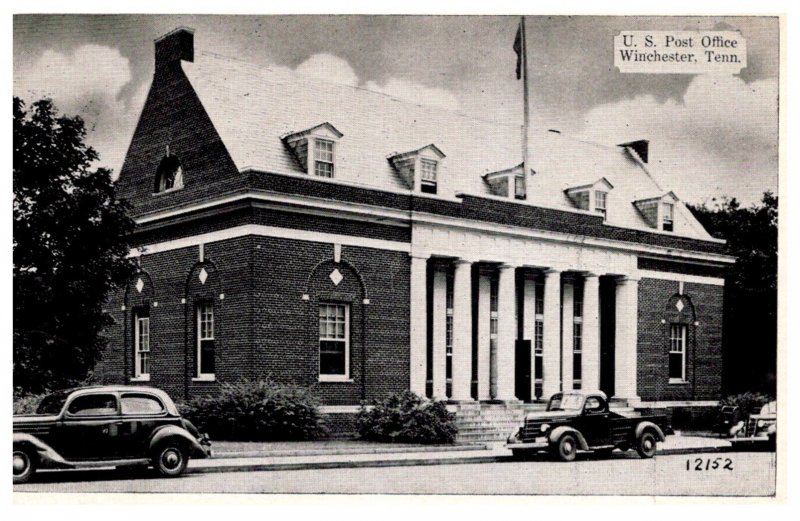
x=710 y=136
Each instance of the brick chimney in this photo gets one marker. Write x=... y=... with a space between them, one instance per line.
x=175 y=46
x=640 y=147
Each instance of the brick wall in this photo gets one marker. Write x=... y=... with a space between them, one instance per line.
x=702 y=303
x=262 y=324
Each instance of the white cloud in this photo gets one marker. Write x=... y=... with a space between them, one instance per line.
x=338 y=70
x=721 y=139
x=87 y=82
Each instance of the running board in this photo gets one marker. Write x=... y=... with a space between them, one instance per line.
x=108 y=463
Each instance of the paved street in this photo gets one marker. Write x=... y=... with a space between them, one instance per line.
x=750 y=473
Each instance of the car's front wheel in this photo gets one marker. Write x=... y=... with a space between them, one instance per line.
x=567 y=447
x=170 y=459
x=646 y=445
x=24 y=465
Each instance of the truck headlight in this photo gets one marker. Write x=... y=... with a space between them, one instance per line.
x=760 y=424
x=545 y=427
x=515 y=436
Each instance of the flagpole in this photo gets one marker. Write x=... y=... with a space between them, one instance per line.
x=526 y=115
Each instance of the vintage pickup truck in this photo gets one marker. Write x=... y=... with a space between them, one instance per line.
x=105 y=426
x=580 y=420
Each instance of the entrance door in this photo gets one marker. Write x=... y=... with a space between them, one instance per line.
x=522 y=364
x=607 y=324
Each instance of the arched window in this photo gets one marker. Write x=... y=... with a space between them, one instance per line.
x=169 y=175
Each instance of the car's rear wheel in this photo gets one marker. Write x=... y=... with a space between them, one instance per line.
x=24 y=465
x=170 y=459
x=567 y=447
x=646 y=444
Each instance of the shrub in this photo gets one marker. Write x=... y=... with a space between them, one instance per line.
x=407 y=418
x=262 y=410
x=748 y=402
x=25 y=403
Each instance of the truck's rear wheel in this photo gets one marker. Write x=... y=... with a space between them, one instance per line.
x=23 y=465
x=646 y=444
x=566 y=447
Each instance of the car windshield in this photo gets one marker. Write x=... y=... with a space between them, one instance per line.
x=52 y=403
x=567 y=402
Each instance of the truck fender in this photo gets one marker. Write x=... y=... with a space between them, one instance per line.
x=644 y=425
x=173 y=431
x=556 y=433
x=47 y=455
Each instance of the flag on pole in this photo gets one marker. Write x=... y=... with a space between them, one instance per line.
x=518 y=50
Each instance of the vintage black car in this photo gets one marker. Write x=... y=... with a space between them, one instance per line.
x=580 y=420
x=759 y=431
x=105 y=426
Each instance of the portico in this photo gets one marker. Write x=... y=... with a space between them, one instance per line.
x=501 y=327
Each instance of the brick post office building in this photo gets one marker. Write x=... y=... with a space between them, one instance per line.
x=339 y=238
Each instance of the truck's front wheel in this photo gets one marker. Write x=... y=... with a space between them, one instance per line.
x=646 y=444
x=566 y=448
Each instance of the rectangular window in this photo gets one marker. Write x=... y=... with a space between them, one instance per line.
x=538 y=333
x=519 y=188
x=577 y=338
x=323 y=158
x=449 y=333
x=669 y=213
x=334 y=341
x=493 y=290
x=677 y=353
x=600 y=202
x=428 y=169
x=205 y=340
x=142 y=345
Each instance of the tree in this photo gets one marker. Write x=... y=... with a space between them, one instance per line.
x=751 y=293
x=69 y=246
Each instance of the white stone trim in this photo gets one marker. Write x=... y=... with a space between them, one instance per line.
x=270 y=231
x=678 y=403
x=681 y=277
x=342 y=409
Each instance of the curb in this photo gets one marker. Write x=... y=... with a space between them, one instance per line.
x=343 y=452
x=467 y=459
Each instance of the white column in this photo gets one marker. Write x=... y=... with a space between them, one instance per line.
x=506 y=333
x=484 y=354
x=590 y=375
x=567 y=310
x=462 y=331
x=529 y=324
x=551 y=381
x=626 y=335
x=439 y=334
x=419 y=324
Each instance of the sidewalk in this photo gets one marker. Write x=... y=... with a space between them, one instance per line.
x=238 y=457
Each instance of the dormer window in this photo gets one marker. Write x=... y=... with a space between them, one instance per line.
x=315 y=149
x=419 y=168
x=323 y=158
x=659 y=212
x=593 y=197
x=169 y=174
x=668 y=214
x=428 y=171
x=600 y=202
x=508 y=183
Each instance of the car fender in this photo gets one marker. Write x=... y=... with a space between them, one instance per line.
x=173 y=431
x=47 y=455
x=644 y=425
x=556 y=434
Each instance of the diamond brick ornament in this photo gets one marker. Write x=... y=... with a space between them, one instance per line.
x=679 y=305
x=139 y=285
x=203 y=275
x=336 y=277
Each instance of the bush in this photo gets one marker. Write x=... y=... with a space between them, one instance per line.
x=25 y=403
x=748 y=402
x=407 y=418
x=257 y=411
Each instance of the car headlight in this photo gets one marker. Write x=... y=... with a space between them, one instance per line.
x=760 y=424
x=545 y=427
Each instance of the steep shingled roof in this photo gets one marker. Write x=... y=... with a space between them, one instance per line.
x=252 y=107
